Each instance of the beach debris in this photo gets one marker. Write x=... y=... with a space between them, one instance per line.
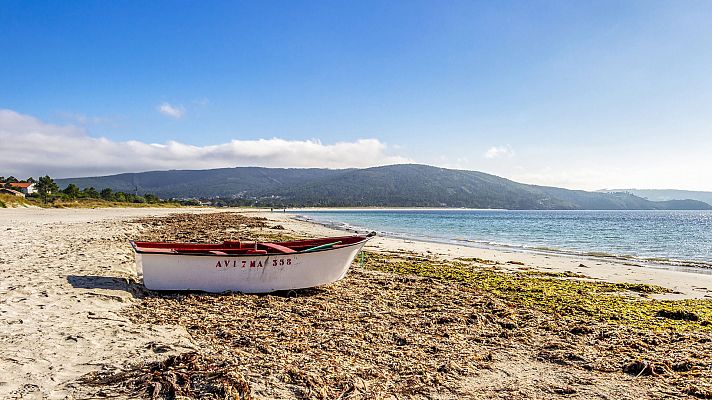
x=564 y=390
x=581 y=330
x=515 y=262
x=391 y=336
x=683 y=366
x=478 y=260
x=679 y=315
x=643 y=288
x=209 y=228
x=565 y=274
x=698 y=392
x=183 y=376
x=645 y=368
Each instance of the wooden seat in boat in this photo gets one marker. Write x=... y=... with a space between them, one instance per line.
x=278 y=248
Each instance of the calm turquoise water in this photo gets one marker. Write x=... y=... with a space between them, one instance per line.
x=666 y=237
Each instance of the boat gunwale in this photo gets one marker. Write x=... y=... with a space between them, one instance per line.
x=168 y=251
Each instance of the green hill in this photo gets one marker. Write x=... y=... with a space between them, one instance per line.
x=406 y=185
x=666 y=194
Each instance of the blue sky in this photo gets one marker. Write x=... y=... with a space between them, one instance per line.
x=574 y=94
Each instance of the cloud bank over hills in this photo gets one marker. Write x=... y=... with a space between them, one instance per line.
x=31 y=147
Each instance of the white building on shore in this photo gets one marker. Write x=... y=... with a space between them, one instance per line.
x=24 y=187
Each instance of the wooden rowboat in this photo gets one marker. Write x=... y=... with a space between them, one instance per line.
x=248 y=267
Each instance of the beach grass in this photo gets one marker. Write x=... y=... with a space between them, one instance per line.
x=15 y=201
x=572 y=299
x=7 y=200
x=99 y=203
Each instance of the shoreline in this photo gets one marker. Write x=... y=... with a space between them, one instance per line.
x=685 y=284
x=347 y=209
x=690 y=266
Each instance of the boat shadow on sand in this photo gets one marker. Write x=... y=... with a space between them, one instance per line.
x=137 y=290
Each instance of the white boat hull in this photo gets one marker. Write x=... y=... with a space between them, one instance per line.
x=245 y=273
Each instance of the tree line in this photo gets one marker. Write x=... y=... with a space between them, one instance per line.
x=48 y=190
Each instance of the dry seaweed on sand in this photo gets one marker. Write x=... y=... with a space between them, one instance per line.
x=416 y=326
x=376 y=335
x=568 y=298
x=187 y=375
x=209 y=228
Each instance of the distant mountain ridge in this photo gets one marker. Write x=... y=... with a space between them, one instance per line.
x=402 y=185
x=666 y=194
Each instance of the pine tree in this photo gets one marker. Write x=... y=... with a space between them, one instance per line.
x=45 y=186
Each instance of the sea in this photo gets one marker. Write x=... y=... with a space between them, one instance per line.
x=665 y=238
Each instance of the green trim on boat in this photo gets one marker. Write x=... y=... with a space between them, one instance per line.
x=320 y=247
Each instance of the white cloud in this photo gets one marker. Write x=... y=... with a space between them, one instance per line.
x=499 y=152
x=171 y=110
x=32 y=147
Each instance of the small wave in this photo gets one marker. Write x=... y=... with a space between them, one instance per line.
x=488 y=244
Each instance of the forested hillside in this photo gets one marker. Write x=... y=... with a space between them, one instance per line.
x=407 y=185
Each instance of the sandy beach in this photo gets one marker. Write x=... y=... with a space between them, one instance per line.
x=58 y=303
x=67 y=281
